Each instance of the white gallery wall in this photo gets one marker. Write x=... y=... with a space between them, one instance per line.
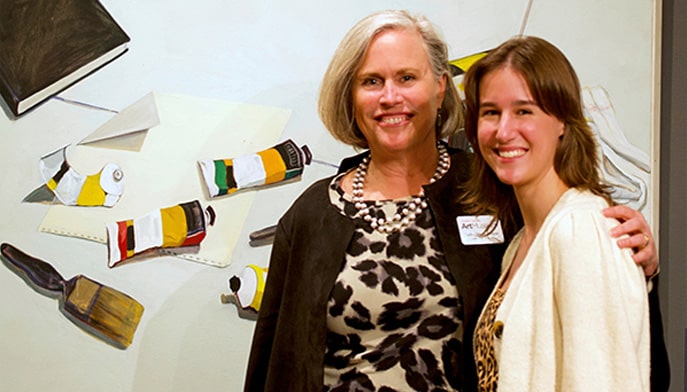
x=270 y=53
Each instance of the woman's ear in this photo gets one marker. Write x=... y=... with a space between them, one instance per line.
x=562 y=131
x=442 y=88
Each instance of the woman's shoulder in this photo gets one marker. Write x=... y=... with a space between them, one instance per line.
x=579 y=202
x=314 y=195
x=578 y=215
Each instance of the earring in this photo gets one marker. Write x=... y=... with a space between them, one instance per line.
x=439 y=120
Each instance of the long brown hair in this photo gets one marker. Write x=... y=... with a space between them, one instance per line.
x=555 y=88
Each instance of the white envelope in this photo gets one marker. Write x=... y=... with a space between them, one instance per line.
x=164 y=172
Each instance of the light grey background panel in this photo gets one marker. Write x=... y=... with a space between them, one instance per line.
x=262 y=52
x=673 y=205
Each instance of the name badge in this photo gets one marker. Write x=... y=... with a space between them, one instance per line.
x=471 y=228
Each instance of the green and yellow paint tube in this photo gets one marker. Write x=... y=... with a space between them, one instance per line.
x=279 y=163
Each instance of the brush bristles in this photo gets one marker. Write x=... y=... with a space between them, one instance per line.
x=109 y=313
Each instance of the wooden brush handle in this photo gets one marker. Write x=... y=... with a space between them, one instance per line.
x=38 y=271
x=266 y=233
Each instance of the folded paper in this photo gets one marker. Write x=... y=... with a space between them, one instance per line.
x=170 y=227
x=128 y=129
x=279 y=163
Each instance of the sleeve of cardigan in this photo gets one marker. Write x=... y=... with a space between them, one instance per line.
x=601 y=302
x=263 y=334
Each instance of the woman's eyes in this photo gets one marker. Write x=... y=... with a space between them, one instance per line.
x=380 y=82
x=494 y=112
x=370 y=82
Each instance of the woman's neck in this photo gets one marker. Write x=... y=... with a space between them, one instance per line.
x=399 y=177
x=394 y=176
x=536 y=201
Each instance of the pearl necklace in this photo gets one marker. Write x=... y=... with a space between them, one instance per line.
x=408 y=214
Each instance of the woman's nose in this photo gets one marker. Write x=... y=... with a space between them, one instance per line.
x=390 y=94
x=506 y=128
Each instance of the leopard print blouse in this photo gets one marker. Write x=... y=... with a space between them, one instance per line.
x=394 y=316
x=483 y=344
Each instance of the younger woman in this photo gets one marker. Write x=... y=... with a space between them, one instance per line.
x=570 y=310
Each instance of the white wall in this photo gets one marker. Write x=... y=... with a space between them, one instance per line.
x=263 y=52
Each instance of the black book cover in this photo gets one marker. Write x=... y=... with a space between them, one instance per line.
x=48 y=45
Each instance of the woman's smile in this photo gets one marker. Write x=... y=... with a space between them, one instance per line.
x=396 y=96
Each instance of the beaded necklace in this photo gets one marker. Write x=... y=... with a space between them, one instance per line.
x=408 y=214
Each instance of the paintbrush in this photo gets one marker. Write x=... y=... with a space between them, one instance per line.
x=263 y=236
x=100 y=310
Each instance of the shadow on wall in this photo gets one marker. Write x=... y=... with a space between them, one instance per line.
x=215 y=353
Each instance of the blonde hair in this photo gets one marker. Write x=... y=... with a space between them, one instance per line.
x=335 y=105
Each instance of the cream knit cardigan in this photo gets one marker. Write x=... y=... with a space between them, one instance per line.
x=576 y=316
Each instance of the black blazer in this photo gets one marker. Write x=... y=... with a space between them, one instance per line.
x=309 y=248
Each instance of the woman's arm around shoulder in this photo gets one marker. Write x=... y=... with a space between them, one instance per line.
x=602 y=305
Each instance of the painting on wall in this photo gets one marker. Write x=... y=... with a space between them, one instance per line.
x=221 y=84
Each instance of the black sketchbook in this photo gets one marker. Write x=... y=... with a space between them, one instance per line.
x=48 y=45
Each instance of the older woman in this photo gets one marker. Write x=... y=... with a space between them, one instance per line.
x=370 y=287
